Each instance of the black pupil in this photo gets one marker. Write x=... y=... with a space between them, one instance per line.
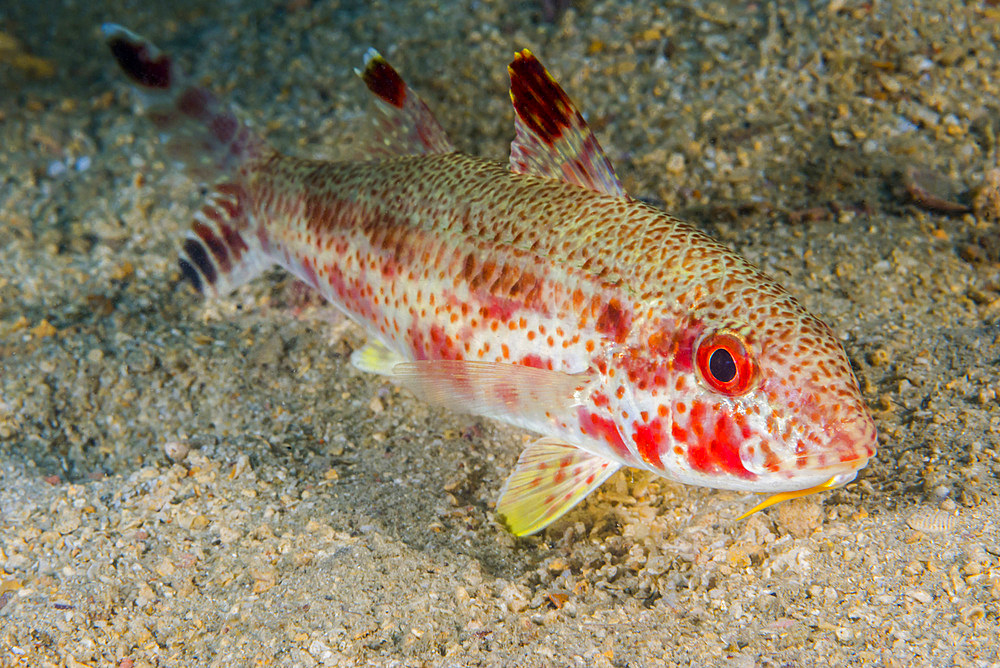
x=722 y=365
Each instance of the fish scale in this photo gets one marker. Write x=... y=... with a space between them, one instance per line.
x=537 y=293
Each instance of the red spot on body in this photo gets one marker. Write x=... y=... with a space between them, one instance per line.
x=441 y=346
x=417 y=342
x=699 y=459
x=310 y=272
x=600 y=400
x=535 y=360
x=614 y=322
x=604 y=429
x=389 y=268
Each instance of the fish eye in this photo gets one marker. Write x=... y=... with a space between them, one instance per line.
x=726 y=363
x=722 y=366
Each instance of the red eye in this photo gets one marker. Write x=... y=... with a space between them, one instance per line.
x=725 y=363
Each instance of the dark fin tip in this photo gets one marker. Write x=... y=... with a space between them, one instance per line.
x=196 y=253
x=190 y=274
x=538 y=100
x=138 y=59
x=384 y=81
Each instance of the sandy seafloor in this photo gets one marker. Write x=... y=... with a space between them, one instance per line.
x=323 y=517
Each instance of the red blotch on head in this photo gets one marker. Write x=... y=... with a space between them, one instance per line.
x=601 y=400
x=648 y=438
x=602 y=428
x=726 y=446
x=614 y=322
x=684 y=348
x=717 y=448
x=679 y=434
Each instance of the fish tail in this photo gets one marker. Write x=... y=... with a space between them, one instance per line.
x=224 y=247
x=223 y=250
x=200 y=130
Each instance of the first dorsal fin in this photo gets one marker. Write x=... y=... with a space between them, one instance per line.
x=407 y=125
x=552 y=139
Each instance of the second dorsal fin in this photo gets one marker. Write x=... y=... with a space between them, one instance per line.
x=407 y=125
x=552 y=139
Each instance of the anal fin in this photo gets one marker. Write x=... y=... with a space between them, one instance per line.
x=550 y=478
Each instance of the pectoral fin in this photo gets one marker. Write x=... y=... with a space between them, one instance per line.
x=492 y=389
x=550 y=478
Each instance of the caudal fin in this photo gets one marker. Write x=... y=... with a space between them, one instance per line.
x=223 y=249
x=202 y=132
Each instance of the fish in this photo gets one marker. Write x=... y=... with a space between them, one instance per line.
x=538 y=292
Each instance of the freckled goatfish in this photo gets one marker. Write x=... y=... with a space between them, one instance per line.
x=538 y=293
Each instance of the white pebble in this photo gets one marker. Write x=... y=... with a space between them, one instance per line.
x=177 y=451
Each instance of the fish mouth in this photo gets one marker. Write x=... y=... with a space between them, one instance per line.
x=838 y=480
